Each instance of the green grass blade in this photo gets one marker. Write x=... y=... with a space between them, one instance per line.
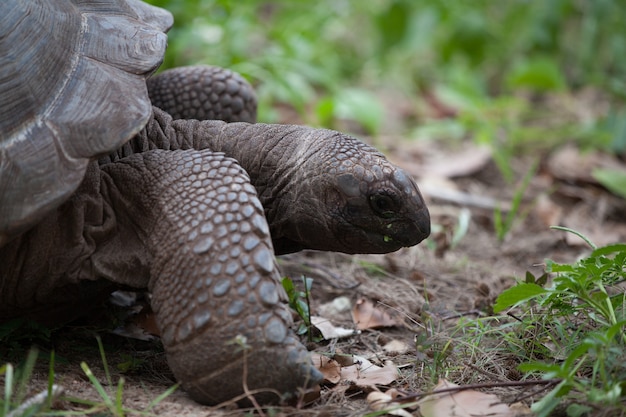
x=50 y=381
x=8 y=388
x=98 y=386
x=118 y=397
x=24 y=375
x=104 y=361
x=580 y=235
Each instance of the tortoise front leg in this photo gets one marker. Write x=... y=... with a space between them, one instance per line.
x=213 y=276
x=203 y=92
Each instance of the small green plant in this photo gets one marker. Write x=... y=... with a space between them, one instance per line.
x=433 y=354
x=579 y=328
x=300 y=302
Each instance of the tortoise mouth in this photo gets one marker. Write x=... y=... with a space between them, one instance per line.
x=402 y=237
x=398 y=234
x=386 y=243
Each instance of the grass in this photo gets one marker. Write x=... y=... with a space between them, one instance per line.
x=17 y=403
x=574 y=329
x=562 y=339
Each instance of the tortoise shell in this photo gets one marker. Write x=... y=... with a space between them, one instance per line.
x=72 y=87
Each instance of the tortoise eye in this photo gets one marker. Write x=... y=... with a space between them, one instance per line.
x=383 y=205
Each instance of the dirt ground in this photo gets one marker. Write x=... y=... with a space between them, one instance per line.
x=427 y=287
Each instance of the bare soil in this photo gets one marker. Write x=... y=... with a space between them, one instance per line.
x=430 y=287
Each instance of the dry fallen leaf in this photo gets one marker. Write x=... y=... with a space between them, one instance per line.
x=571 y=164
x=367 y=316
x=330 y=368
x=365 y=374
x=343 y=359
x=469 y=161
x=330 y=331
x=379 y=401
x=146 y=320
x=467 y=403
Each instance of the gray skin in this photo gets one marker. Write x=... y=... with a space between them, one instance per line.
x=194 y=211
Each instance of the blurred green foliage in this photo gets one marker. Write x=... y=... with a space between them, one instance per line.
x=330 y=60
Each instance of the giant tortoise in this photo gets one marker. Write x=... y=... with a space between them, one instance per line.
x=101 y=190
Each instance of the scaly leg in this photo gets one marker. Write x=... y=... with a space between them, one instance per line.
x=213 y=275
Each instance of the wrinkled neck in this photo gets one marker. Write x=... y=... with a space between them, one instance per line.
x=277 y=158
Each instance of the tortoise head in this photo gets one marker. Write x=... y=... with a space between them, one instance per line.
x=347 y=197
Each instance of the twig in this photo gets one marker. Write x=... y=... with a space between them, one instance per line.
x=245 y=395
x=484 y=372
x=246 y=391
x=473 y=312
x=403 y=313
x=514 y=317
x=523 y=397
